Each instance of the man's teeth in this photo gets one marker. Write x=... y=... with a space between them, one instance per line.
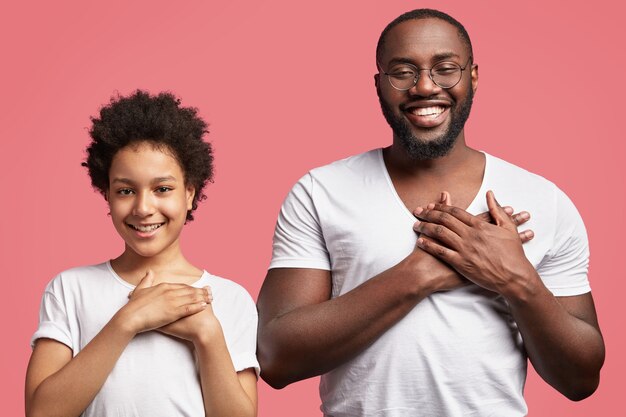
x=428 y=111
x=146 y=229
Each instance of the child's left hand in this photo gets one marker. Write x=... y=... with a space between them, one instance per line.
x=196 y=328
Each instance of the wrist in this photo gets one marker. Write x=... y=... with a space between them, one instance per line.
x=524 y=288
x=206 y=334
x=125 y=322
x=411 y=271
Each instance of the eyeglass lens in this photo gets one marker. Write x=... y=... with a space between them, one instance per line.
x=444 y=74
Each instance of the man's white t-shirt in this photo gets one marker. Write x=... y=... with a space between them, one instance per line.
x=156 y=375
x=457 y=353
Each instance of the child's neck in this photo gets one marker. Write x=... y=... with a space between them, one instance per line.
x=173 y=267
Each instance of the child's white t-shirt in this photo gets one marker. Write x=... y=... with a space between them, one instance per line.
x=156 y=375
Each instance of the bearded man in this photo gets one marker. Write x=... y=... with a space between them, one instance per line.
x=397 y=275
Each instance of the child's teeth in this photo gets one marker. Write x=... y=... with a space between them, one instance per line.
x=147 y=228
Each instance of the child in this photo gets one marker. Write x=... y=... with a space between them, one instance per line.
x=141 y=335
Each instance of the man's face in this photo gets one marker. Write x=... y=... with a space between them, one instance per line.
x=426 y=120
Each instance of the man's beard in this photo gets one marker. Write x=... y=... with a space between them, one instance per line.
x=420 y=149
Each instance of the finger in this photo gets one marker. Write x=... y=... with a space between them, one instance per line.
x=452 y=217
x=209 y=294
x=435 y=249
x=146 y=281
x=445 y=198
x=185 y=294
x=497 y=214
x=526 y=235
x=193 y=308
x=486 y=217
x=439 y=233
x=520 y=218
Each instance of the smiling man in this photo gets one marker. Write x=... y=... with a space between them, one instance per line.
x=414 y=301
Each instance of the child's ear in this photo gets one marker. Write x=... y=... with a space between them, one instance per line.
x=190 y=192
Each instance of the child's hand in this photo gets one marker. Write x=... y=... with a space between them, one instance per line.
x=151 y=307
x=196 y=328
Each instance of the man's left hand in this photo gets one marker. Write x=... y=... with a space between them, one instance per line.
x=490 y=255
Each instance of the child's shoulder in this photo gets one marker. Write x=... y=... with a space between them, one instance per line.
x=226 y=289
x=79 y=275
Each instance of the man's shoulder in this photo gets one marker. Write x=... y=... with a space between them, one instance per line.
x=513 y=175
x=354 y=164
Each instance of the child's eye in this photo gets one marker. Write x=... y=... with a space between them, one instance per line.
x=125 y=191
x=163 y=189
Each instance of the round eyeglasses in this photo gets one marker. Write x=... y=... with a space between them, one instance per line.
x=404 y=76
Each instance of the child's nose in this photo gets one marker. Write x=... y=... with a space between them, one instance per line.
x=144 y=205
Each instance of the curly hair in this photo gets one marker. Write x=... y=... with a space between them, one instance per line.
x=160 y=120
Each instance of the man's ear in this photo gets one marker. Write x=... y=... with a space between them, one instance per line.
x=376 y=80
x=474 y=77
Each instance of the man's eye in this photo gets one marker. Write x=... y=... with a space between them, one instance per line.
x=445 y=69
x=163 y=189
x=125 y=191
x=403 y=73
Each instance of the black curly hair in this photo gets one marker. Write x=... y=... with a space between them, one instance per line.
x=157 y=119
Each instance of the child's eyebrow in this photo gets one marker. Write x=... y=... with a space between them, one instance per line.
x=164 y=179
x=122 y=180
x=157 y=180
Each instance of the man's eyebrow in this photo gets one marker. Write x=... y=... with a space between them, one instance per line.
x=436 y=57
x=445 y=55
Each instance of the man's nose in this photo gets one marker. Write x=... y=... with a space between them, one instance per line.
x=424 y=86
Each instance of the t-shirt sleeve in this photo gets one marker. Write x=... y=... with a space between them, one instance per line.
x=298 y=238
x=564 y=269
x=53 y=319
x=240 y=332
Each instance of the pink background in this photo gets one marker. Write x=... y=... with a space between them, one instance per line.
x=287 y=86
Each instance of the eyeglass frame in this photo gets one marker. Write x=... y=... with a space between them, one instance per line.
x=430 y=73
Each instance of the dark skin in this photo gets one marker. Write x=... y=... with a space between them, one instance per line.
x=304 y=333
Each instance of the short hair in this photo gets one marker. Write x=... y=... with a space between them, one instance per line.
x=159 y=120
x=418 y=14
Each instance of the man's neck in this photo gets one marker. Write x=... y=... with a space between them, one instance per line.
x=419 y=182
x=460 y=158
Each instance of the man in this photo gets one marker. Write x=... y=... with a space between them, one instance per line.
x=434 y=317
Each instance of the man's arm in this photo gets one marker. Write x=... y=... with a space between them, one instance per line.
x=304 y=333
x=561 y=334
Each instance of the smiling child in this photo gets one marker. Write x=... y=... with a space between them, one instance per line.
x=146 y=333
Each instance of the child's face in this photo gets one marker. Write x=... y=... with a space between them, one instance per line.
x=148 y=199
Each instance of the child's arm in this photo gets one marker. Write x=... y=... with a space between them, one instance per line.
x=59 y=385
x=225 y=393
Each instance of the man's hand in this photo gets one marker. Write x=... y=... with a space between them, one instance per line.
x=489 y=255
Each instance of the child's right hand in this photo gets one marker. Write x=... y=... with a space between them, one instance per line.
x=151 y=307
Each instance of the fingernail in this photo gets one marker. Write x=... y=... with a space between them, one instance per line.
x=418 y=210
x=524 y=215
x=430 y=206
